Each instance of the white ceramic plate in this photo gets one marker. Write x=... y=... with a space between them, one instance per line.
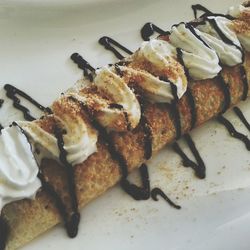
x=36 y=41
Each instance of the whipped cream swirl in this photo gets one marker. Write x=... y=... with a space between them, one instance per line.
x=201 y=61
x=118 y=91
x=79 y=141
x=18 y=167
x=229 y=52
x=158 y=52
x=162 y=55
x=155 y=89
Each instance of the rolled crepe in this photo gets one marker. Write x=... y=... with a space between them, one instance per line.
x=30 y=218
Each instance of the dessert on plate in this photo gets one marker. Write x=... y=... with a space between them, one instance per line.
x=115 y=119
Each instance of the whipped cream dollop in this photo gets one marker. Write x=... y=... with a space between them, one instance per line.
x=201 y=61
x=114 y=86
x=158 y=52
x=18 y=167
x=162 y=55
x=229 y=54
x=79 y=141
x=40 y=139
x=155 y=90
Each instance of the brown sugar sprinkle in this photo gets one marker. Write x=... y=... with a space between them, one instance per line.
x=66 y=106
x=47 y=123
x=97 y=100
x=242 y=23
x=63 y=107
x=241 y=26
x=94 y=93
x=92 y=103
x=245 y=15
x=129 y=77
x=136 y=77
x=70 y=108
x=140 y=64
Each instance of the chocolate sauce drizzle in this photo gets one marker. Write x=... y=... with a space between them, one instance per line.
x=149 y=29
x=112 y=45
x=148 y=136
x=177 y=122
x=73 y=222
x=138 y=193
x=118 y=70
x=12 y=92
x=120 y=107
x=4 y=232
x=199 y=7
x=233 y=132
x=88 y=70
x=192 y=30
x=158 y=192
x=49 y=189
x=192 y=106
x=199 y=167
x=180 y=59
x=244 y=82
x=174 y=107
x=224 y=38
x=175 y=111
x=207 y=13
x=241 y=116
x=115 y=106
x=1 y=103
x=226 y=92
